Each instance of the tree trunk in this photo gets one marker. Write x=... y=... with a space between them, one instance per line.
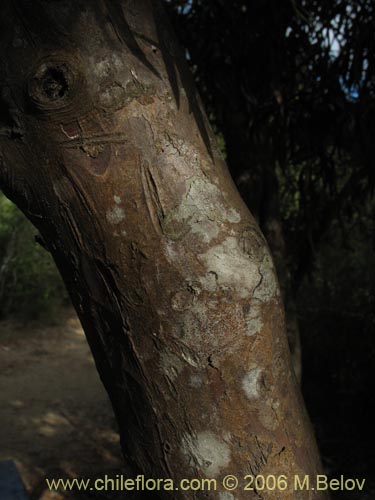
x=253 y=167
x=105 y=147
x=272 y=227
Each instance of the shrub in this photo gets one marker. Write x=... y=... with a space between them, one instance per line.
x=30 y=286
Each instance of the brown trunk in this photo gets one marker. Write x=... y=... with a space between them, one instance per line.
x=256 y=180
x=272 y=227
x=106 y=149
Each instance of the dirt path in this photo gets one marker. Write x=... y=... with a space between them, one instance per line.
x=55 y=418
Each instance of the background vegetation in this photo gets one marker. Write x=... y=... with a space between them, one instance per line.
x=30 y=286
x=290 y=89
x=290 y=86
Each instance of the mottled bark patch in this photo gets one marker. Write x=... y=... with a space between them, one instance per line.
x=115 y=215
x=268 y=287
x=201 y=212
x=253 y=318
x=232 y=268
x=225 y=495
x=206 y=452
x=250 y=383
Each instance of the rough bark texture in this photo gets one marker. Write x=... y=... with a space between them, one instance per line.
x=268 y=215
x=256 y=180
x=106 y=149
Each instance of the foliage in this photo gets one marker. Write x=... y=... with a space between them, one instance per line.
x=30 y=286
x=342 y=282
x=291 y=84
x=336 y=306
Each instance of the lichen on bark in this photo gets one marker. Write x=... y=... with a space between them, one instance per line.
x=172 y=281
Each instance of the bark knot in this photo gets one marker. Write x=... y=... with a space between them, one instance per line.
x=53 y=85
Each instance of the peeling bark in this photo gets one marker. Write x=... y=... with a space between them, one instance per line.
x=106 y=149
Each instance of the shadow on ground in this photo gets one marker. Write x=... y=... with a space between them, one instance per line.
x=55 y=417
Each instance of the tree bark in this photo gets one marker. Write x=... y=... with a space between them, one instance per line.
x=253 y=167
x=105 y=147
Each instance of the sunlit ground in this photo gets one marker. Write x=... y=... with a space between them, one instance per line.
x=55 y=418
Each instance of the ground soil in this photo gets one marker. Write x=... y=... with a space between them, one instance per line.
x=56 y=420
x=55 y=417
